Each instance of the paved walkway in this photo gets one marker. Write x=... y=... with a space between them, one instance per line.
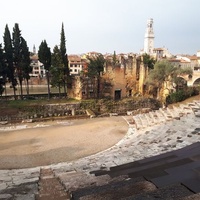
x=149 y=134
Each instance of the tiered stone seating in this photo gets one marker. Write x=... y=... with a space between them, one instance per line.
x=171 y=175
x=175 y=174
x=196 y=108
x=162 y=115
x=159 y=158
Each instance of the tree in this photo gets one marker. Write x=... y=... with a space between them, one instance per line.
x=21 y=57
x=114 y=59
x=25 y=62
x=95 y=67
x=164 y=75
x=57 y=69
x=148 y=61
x=9 y=59
x=2 y=71
x=66 y=72
x=16 y=55
x=44 y=55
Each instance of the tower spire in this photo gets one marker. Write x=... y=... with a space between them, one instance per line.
x=149 y=38
x=34 y=49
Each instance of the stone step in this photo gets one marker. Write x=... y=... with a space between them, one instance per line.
x=114 y=190
x=166 y=114
x=76 y=180
x=197 y=113
x=173 y=113
x=138 y=122
x=154 y=117
x=190 y=197
x=194 y=106
x=149 y=119
x=50 y=188
x=178 y=110
x=186 y=109
x=197 y=103
x=160 y=116
x=170 y=192
x=143 y=120
x=193 y=184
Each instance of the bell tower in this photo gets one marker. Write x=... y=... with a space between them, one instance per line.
x=149 y=38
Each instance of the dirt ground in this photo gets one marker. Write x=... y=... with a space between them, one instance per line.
x=59 y=141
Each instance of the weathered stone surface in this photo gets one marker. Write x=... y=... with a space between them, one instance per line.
x=3 y=186
x=152 y=139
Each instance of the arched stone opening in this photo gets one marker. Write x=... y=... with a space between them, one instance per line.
x=196 y=82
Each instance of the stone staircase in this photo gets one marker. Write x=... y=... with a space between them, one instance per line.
x=166 y=114
x=50 y=188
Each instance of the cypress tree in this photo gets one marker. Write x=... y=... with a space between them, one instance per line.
x=2 y=71
x=9 y=59
x=16 y=40
x=25 y=62
x=64 y=60
x=57 y=69
x=44 y=55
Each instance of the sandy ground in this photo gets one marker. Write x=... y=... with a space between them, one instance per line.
x=59 y=141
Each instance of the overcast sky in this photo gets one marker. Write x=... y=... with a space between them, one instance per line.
x=105 y=26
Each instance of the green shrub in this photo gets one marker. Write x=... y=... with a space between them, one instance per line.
x=181 y=95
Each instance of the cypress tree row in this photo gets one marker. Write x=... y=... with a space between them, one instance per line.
x=15 y=62
x=9 y=60
x=16 y=59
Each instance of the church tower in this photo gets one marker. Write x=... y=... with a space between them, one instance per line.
x=149 y=38
x=34 y=49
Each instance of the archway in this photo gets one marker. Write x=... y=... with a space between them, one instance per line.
x=196 y=82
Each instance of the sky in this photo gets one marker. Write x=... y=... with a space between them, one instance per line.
x=105 y=26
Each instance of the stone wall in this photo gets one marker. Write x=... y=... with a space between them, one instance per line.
x=41 y=112
x=76 y=110
x=121 y=107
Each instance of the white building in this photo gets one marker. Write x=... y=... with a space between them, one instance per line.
x=37 y=67
x=75 y=64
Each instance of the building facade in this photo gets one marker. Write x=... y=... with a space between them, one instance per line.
x=37 y=67
x=76 y=64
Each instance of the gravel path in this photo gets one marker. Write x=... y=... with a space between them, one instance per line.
x=58 y=141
